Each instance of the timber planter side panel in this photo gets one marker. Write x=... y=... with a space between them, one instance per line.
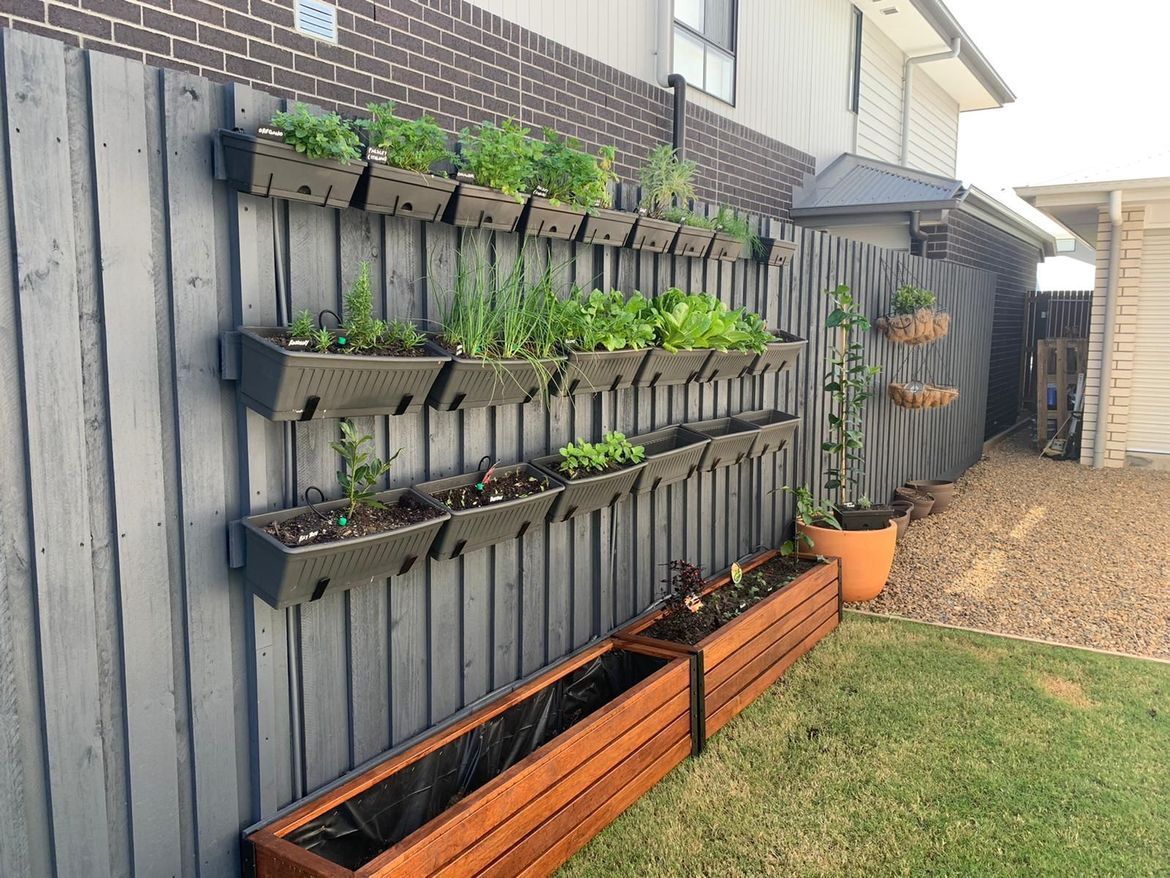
x=292 y=385
x=478 y=207
x=662 y=368
x=653 y=235
x=692 y=241
x=285 y=575
x=594 y=371
x=471 y=383
x=577 y=745
x=748 y=654
x=731 y=442
x=610 y=228
x=548 y=220
x=398 y=192
x=588 y=493
x=672 y=455
x=265 y=167
x=779 y=355
x=776 y=429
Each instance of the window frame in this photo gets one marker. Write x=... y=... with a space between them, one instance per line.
x=709 y=44
x=856 y=30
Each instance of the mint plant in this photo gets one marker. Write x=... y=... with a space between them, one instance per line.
x=581 y=457
x=411 y=144
x=666 y=179
x=569 y=175
x=361 y=471
x=327 y=136
x=499 y=156
x=606 y=321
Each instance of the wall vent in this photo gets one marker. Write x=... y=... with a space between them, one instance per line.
x=317 y=19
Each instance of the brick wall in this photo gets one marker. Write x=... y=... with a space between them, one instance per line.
x=970 y=241
x=444 y=57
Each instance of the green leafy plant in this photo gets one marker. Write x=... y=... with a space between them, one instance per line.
x=410 y=144
x=302 y=326
x=567 y=174
x=688 y=217
x=808 y=512
x=585 y=457
x=361 y=471
x=665 y=180
x=737 y=227
x=402 y=334
x=322 y=340
x=755 y=333
x=362 y=330
x=697 y=321
x=606 y=320
x=909 y=299
x=327 y=136
x=499 y=156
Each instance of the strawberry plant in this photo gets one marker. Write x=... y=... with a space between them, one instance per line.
x=411 y=144
x=327 y=136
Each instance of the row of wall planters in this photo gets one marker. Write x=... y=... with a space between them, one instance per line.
x=584 y=740
x=464 y=521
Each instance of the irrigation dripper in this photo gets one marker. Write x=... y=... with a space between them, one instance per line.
x=341 y=340
x=481 y=485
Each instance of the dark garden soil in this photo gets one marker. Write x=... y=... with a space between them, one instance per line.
x=727 y=602
x=309 y=528
x=510 y=486
x=397 y=349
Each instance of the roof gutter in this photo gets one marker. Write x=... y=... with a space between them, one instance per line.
x=908 y=89
x=1101 y=434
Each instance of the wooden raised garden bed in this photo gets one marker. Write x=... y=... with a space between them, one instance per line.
x=514 y=788
x=472 y=383
x=672 y=455
x=593 y=371
x=779 y=355
x=269 y=167
x=478 y=207
x=610 y=228
x=586 y=493
x=693 y=241
x=731 y=441
x=654 y=235
x=398 y=192
x=662 y=368
x=743 y=657
x=776 y=429
x=548 y=220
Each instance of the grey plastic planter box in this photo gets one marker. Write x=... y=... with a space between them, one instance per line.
x=776 y=429
x=727 y=364
x=777 y=251
x=672 y=455
x=284 y=575
x=608 y=227
x=298 y=385
x=397 y=192
x=692 y=241
x=661 y=368
x=780 y=355
x=471 y=529
x=654 y=235
x=731 y=441
x=586 y=494
x=470 y=383
x=596 y=371
x=478 y=207
x=548 y=220
x=726 y=248
x=271 y=168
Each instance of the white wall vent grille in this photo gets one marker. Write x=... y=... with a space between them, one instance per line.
x=317 y=19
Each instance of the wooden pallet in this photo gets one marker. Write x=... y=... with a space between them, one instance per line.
x=1058 y=363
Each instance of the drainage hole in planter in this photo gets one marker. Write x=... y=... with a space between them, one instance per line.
x=305 y=190
x=489 y=220
x=406 y=205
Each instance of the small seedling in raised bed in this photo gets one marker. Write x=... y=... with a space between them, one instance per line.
x=327 y=136
x=361 y=471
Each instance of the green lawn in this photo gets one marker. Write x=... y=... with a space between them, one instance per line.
x=901 y=749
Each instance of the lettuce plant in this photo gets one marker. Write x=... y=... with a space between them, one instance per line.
x=614 y=449
x=698 y=321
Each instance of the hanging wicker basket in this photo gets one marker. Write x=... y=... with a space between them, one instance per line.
x=916 y=395
x=923 y=326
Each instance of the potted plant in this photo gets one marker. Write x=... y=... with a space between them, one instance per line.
x=400 y=157
x=366 y=366
x=921 y=395
x=866 y=555
x=686 y=328
x=733 y=236
x=512 y=788
x=775 y=430
x=696 y=232
x=774 y=251
x=495 y=164
x=606 y=338
x=595 y=475
x=731 y=442
x=747 y=625
x=914 y=319
x=567 y=184
x=296 y=555
x=739 y=348
x=664 y=179
x=672 y=455
x=297 y=155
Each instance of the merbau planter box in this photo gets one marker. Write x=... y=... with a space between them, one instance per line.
x=777 y=251
x=271 y=168
x=470 y=529
x=780 y=354
x=478 y=207
x=298 y=385
x=661 y=368
x=608 y=227
x=731 y=441
x=588 y=493
x=726 y=248
x=397 y=192
x=471 y=383
x=724 y=365
x=672 y=455
x=594 y=371
x=513 y=788
x=549 y=220
x=693 y=241
x=654 y=235
x=284 y=575
x=750 y=653
x=776 y=429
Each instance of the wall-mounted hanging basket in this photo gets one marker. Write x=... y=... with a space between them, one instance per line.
x=922 y=327
x=917 y=395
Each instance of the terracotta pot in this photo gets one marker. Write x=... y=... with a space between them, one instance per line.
x=923 y=502
x=866 y=557
x=902 y=521
x=942 y=491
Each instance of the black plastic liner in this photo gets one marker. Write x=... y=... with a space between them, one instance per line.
x=375 y=819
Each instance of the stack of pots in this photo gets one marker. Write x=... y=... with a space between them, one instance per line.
x=921 y=502
x=942 y=491
x=901 y=516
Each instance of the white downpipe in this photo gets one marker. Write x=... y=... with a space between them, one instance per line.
x=1100 y=437
x=664 y=45
x=908 y=89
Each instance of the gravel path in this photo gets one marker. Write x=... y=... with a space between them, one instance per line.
x=1043 y=549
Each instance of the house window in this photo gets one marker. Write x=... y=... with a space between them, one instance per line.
x=704 y=45
x=855 y=62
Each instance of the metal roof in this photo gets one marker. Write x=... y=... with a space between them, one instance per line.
x=853 y=184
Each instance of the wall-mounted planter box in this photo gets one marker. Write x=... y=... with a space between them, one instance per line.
x=471 y=383
x=661 y=368
x=397 y=192
x=731 y=441
x=692 y=241
x=584 y=740
x=285 y=575
x=726 y=248
x=478 y=207
x=471 y=529
x=724 y=365
x=265 y=167
x=777 y=251
x=672 y=455
x=292 y=385
x=780 y=354
x=595 y=371
x=654 y=235
x=748 y=654
x=587 y=493
x=548 y=220
x=776 y=429
x=608 y=227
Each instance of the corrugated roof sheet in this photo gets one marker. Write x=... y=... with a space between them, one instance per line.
x=853 y=181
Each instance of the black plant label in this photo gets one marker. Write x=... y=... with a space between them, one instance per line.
x=298 y=342
x=269 y=133
x=540 y=192
x=376 y=155
x=465 y=177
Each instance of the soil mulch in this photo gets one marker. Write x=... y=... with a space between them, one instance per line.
x=509 y=486
x=390 y=350
x=727 y=602
x=310 y=529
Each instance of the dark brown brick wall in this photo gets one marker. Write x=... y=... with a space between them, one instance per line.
x=444 y=57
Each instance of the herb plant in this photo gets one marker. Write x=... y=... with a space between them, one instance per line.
x=606 y=320
x=322 y=340
x=909 y=299
x=411 y=144
x=614 y=449
x=363 y=331
x=737 y=227
x=687 y=217
x=567 y=174
x=666 y=179
x=697 y=321
x=327 y=136
x=361 y=470
x=499 y=156
x=302 y=326
x=808 y=512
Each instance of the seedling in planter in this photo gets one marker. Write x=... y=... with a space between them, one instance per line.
x=498 y=156
x=613 y=450
x=687 y=217
x=486 y=478
x=322 y=340
x=665 y=180
x=363 y=330
x=686 y=585
x=737 y=227
x=302 y=326
x=909 y=299
x=607 y=320
x=327 y=136
x=361 y=471
x=565 y=173
x=808 y=512
x=411 y=144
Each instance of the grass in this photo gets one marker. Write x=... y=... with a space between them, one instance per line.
x=900 y=749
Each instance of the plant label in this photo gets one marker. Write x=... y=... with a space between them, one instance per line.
x=269 y=133
x=376 y=155
x=540 y=192
x=693 y=603
x=298 y=342
x=736 y=573
x=465 y=176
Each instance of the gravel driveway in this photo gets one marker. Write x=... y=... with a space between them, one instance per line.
x=1043 y=549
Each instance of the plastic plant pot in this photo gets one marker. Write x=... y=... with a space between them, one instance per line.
x=595 y=371
x=654 y=235
x=692 y=241
x=779 y=355
x=586 y=493
x=672 y=455
x=547 y=220
x=853 y=517
x=942 y=491
x=610 y=228
x=776 y=429
x=776 y=251
x=478 y=207
x=397 y=192
x=471 y=383
x=265 y=167
x=661 y=368
x=726 y=365
x=731 y=442
x=923 y=502
x=726 y=248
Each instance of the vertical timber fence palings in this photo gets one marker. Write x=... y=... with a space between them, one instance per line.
x=150 y=707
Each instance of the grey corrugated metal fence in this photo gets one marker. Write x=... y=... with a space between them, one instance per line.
x=149 y=706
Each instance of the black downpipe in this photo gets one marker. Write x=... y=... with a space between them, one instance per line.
x=679 y=83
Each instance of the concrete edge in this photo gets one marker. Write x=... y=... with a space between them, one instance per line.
x=995 y=440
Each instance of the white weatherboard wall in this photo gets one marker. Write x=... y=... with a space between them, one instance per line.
x=1149 y=406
